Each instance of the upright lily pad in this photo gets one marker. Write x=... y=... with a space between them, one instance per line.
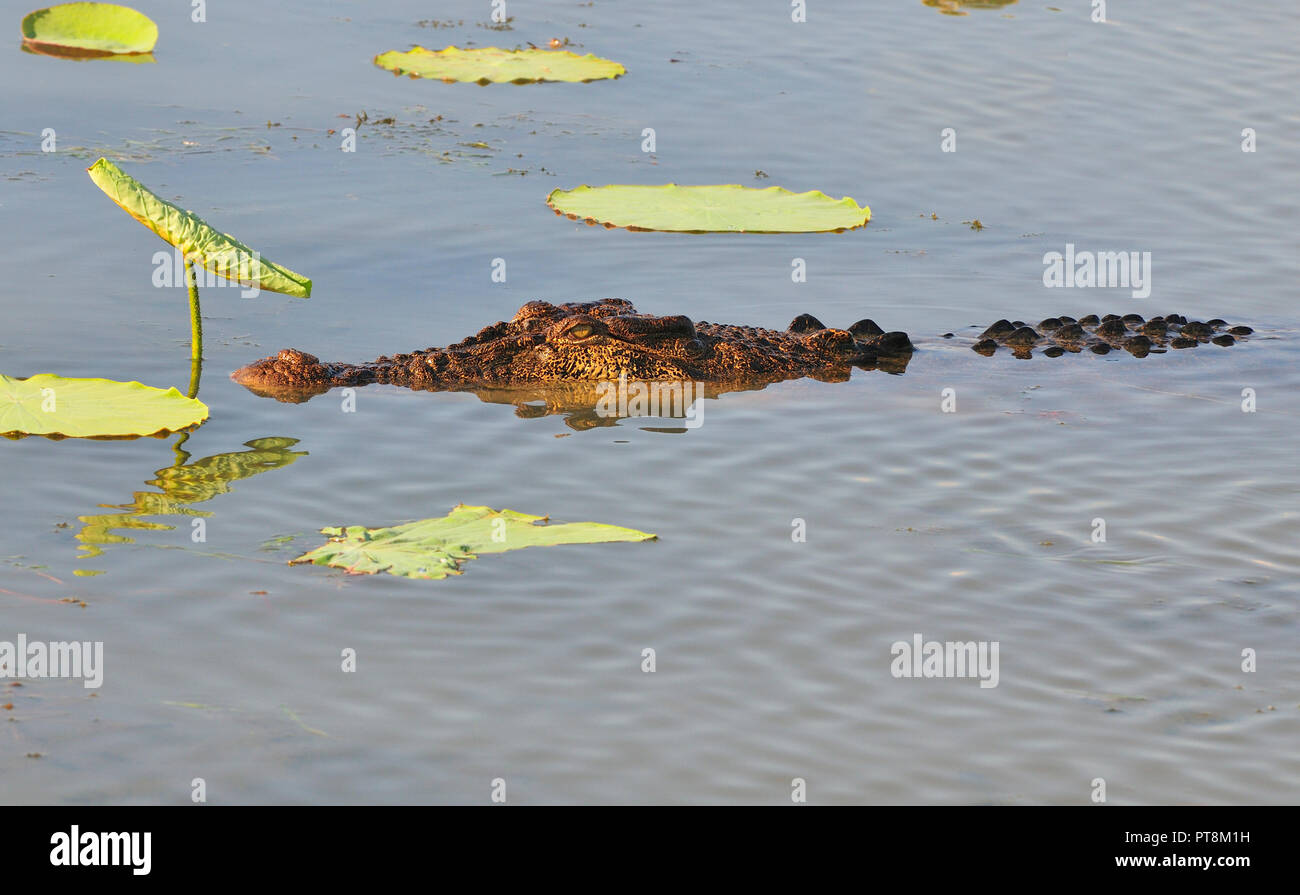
x=205 y=246
x=435 y=548
x=726 y=208
x=47 y=404
x=492 y=65
x=89 y=29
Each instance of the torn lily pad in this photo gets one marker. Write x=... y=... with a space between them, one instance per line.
x=47 y=404
x=493 y=65
x=89 y=29
x=725 y=208
x=436 y=548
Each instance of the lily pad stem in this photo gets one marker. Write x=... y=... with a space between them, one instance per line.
x=196 y=329
x=196 y=317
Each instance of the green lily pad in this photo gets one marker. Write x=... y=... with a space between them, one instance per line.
x=726 y=208
x=205 y=246
x=492 y=65
x=47 y=404
x=435 y=548
x=89 y=29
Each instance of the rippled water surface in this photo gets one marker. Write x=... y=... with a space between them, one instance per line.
x=1119 y=660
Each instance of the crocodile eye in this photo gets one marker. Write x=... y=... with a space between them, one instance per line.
x=581 y=331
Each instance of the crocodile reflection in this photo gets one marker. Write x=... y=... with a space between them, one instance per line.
x=678 y=405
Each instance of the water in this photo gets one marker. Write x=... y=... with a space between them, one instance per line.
x=1120 y=660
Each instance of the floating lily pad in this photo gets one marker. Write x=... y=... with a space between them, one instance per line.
x=726 y=208
x=492 y=65
x=201 y=244
x=89 y=29
x=47 y=404
x=435 y=548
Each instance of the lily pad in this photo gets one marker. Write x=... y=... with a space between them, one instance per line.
x=726 y=208
x=89 y=29
x=201 y=244
x=435 y=548
x=492 y=65
x=47 y=404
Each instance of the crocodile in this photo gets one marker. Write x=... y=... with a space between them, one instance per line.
x=1131 y=332
x=598 y=341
